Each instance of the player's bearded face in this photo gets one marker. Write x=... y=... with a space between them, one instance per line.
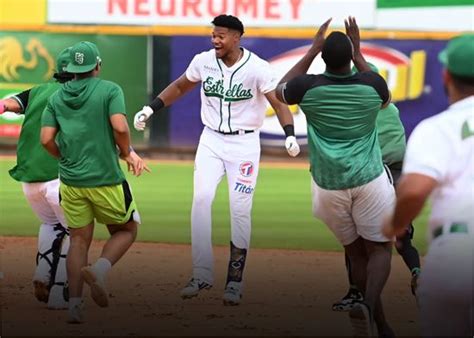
x=223 y=40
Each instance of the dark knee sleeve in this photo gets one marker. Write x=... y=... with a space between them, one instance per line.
x=236 y=263
x=406 y=249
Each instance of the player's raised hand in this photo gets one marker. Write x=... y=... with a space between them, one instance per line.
x=320 y=37
x=352 y=31
x=140 y=118
x=292 y=146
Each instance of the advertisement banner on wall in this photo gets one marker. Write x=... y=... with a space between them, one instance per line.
x=28 y=59
x=410 y=67
x=457 y=15
x=254 y=13
x=421 y=3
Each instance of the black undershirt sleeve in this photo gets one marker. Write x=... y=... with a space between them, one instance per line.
x=378 y=83
x=22 y=99
x=296 y=88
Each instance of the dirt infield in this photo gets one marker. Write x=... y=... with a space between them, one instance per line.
x=287 y=293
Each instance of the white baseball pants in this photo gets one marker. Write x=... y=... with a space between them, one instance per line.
x=445 y=291
x=238 y=157
x=43 y=198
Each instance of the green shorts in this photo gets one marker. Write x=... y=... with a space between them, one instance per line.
x=111 y=204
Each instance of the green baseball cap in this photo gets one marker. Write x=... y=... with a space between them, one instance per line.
x=458 y=56
x=84 y=57
x=62 y=60
x=371 y=65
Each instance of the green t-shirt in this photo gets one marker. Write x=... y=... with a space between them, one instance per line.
x=34 y=163
x=81 y=112
x=391 y=135
x=340 y=113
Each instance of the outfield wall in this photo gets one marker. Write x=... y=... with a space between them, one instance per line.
x=144 y=63
x=28 y=59
x=410 y=67
x=148 y=43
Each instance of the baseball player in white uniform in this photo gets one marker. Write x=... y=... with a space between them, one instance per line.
x=439 y=162
x=235 y=84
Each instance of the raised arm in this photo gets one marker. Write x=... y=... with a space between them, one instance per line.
x=168 y=96
x=352 y=31
x=303 y=65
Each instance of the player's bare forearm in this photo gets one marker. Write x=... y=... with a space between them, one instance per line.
x=282 y=111
x=10 y=105
x=121 y=133
x=122 y=140
x=53 y=149
x=360 y=62
x=412 y=192
x=47 y=138
x=176 y=89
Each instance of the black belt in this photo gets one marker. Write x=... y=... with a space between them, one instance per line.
x=237 y=132
x=453 y=228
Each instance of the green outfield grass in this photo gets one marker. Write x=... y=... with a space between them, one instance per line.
x=281 y=212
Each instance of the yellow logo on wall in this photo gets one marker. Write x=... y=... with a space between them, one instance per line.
x=14 y=57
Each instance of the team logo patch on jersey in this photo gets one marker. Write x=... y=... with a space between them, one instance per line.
x=246 y=169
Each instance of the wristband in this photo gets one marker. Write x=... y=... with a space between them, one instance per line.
x=289 y=130
x=156 y=104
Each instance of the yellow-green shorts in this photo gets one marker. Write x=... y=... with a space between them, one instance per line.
x=111 y=204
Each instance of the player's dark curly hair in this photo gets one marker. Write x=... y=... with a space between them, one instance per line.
x=337 y=50
x=229 y=21
x=63 y=77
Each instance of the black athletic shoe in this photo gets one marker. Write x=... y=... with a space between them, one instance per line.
x=414 y=282
x=353 y=297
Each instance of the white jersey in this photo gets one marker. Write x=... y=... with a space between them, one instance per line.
x=442 y=147
x=232 y=98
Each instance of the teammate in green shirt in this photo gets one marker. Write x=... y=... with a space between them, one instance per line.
x=351 y=191
x=391 y=134
x=38 y=172
x=82 y=125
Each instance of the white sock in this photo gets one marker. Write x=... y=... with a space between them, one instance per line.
x=102 y=266
x=74 y=301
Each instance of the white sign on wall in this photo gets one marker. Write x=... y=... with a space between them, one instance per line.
x=253 y=13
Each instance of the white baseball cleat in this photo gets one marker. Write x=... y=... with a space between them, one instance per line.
x=193 y=287
x=75 y=314
x=361 y=321
x=97 y=285
x=232 y=294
